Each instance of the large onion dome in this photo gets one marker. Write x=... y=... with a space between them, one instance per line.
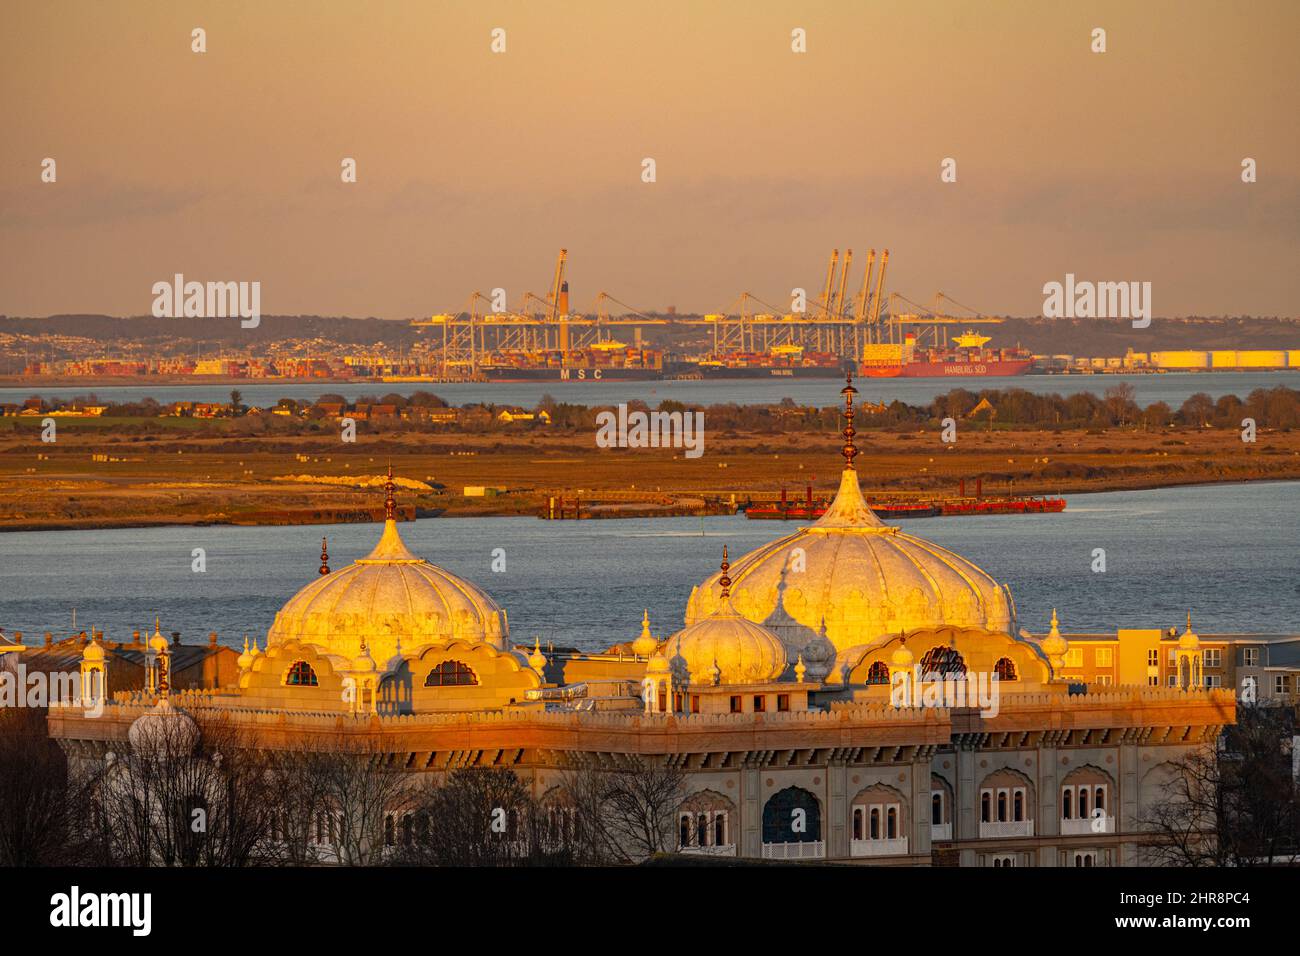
x=852 y=580
x=389 y=598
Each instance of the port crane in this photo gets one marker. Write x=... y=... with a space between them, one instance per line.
x=931 y=322
x=835 y=323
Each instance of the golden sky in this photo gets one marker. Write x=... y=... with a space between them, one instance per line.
x=474 y=168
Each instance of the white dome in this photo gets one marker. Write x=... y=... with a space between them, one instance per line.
x=163 y=731
x=861 y=580
x=387 y=598
x=742 y=651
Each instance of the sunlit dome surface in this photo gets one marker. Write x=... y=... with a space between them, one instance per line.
x=859 y=580
x=389 y=598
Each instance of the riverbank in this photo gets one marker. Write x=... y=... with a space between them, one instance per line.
x=155 y=480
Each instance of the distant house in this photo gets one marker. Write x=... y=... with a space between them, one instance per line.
x=209 y=409
x=510 y=415
x=332 y=409
x=383 y=411
x=423 y=413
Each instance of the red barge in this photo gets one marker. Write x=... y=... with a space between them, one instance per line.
x=810 y=510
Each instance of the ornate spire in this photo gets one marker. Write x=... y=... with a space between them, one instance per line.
x=324 y=558
x=390 y=503
x=725 y=581
x=850 y=450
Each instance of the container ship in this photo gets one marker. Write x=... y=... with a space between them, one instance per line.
x=967 y=357
x=784 y=361
x=603 y=362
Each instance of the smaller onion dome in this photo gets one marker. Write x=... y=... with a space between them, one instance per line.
x=537 y=660
x=799 y=670
x=164 y=730
x=158 y=642
x=363 y=663
x=645 y=644
x=245 y=660
x=256 y=652
x=743 y=651
x=902 y=658
x=1054 y=645
x=94 y=652
x=1189 y=641
x=658 y=664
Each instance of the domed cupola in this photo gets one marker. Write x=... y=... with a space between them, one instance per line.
x=854 y=581
x=726 y=647
x=388 y=600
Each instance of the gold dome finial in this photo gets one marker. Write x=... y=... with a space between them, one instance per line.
x=725 y=581
x=324 y=558
x=390 y=503
x=850 y=451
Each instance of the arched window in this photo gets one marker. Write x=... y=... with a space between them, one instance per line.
x=792 y=815
x=703 y=820
x=939 y=662
x=891 y=825
x=1005 y=668
x=301 y=675
x=985 y=804
x=878 y=673
x=936 y=807
x=1018 y=798
x=451 y=674
x=1067 y=810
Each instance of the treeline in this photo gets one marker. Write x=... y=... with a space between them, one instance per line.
x=1277 y=408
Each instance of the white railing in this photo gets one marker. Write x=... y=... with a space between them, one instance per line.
x=809 y=850
x=1085 y=825
x=941 y=831
x=728 y=850
x=1010 y=828
x=893 y=847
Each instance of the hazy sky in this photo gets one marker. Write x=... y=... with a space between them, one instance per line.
x=474 y=168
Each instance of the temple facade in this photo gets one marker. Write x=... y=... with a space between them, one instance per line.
x=849 y=692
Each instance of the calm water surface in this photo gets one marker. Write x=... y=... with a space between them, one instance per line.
x=1173 y=388
x=1230 y=553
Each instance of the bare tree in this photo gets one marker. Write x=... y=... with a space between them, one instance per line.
x=626 y=815
x=303 y=828
x=41 y=804
x=1233 y=805
x=479 y=816
x=189 y=794
x=366 y=796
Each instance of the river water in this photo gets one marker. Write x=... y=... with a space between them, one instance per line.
x=1229 y=553
x=1173 y=388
